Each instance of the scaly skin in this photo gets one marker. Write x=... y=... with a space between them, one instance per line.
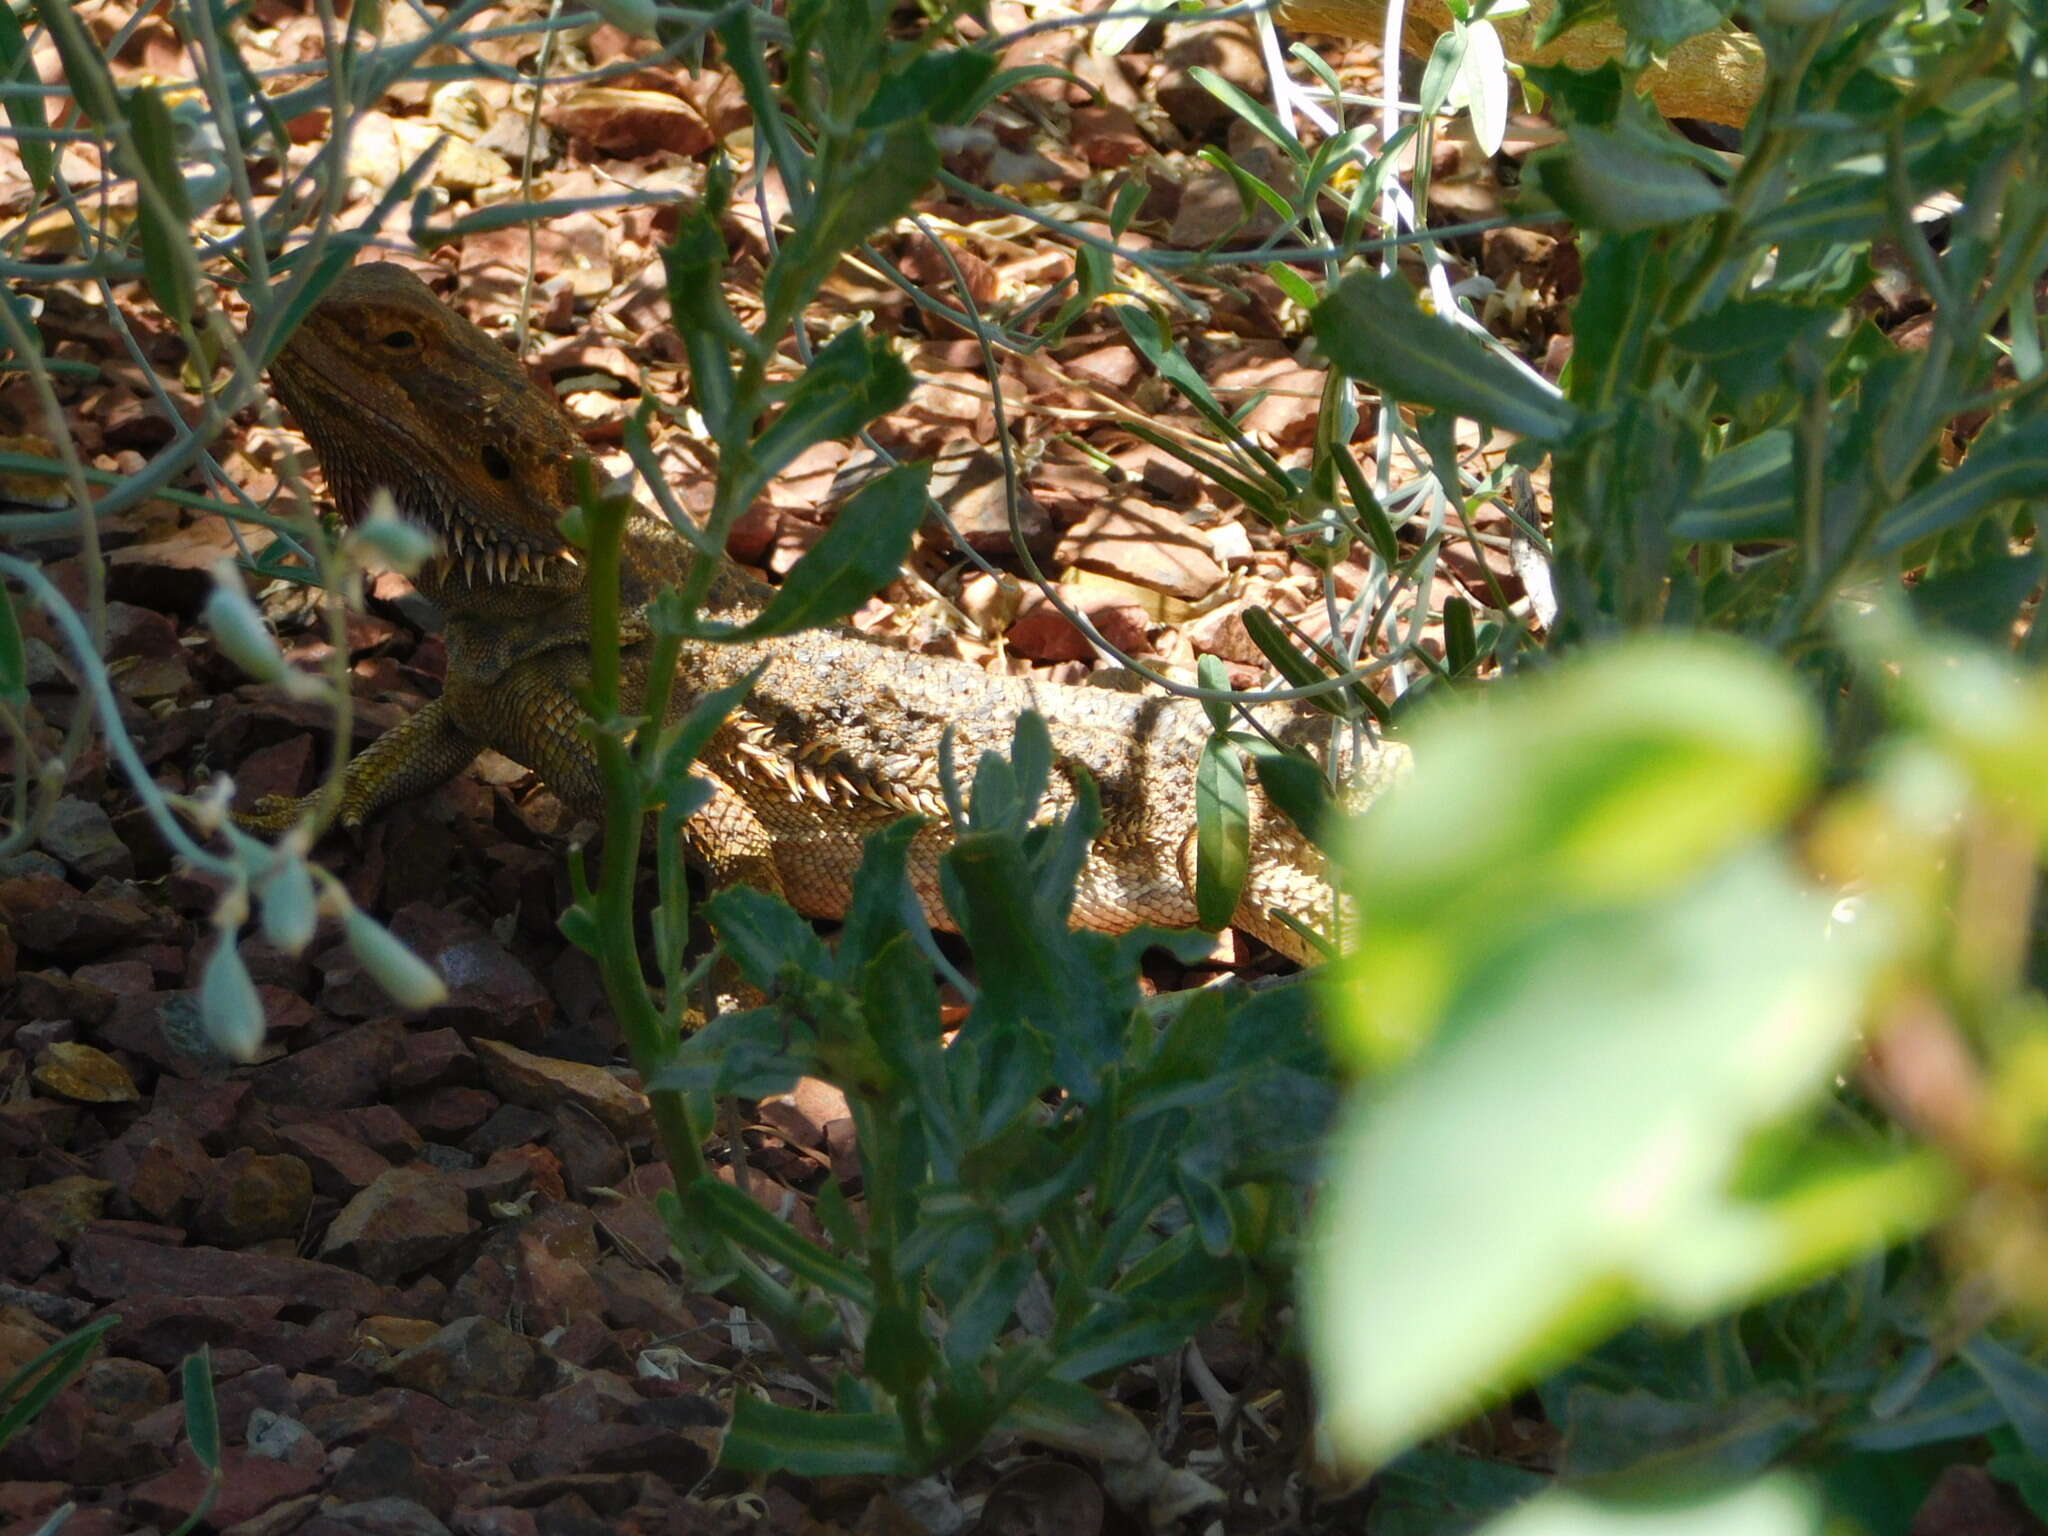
x=839 y=736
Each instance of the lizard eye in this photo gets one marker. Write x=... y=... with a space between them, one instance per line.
x=496 y=465
x=399 y=341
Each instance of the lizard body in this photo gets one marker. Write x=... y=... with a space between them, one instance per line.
x=839 y=735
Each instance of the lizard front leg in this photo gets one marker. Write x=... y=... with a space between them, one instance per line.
x=421 y=752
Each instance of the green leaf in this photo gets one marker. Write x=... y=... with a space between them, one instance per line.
x=1434 y=1490
x=862 y=552
x=1745 y=492
x=942 y=87
x=13 y=654
x=1298 y=787
x=1744 y=344
x=163 y=212
x=854 y=378
x=694 y=263
x=1980 y=600
x=1222 y=832
x=869 y=189
x=1621 y=180
x=26 y=112
x=1633 y=770
x=2019 y=1384
x=29 y=1390
x=1662 y=24
x=85 y=68
x=1298 y=670
x=764 y=935
x=685 y=741
x=1623 y=1043
x=202 y=1414
x=1373 y=329
x=2013 y=465
x=766 y=1437
x=713 y=1203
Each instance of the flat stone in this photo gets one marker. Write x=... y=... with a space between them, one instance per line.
x=84 y=1074
x=340 y=1164
x=404 y=1220
x=1145 y=545
x=251 y=1196
x=250 y=1484
x=542 y=1082
x=82 y=836
x=109 y=1266
x=474 y=1355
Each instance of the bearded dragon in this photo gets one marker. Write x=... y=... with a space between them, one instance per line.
x=840 y=733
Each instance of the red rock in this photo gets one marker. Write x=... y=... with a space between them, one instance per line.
x=449 y=1114
x=470 y=1357
x=542 y=1082
x=339 y=1163
x=1148 y=546
x=134 y=631
x=250 y=1485
x=429 y=1058
x=109 y=1266
x=158 y=1168
x=79 y=928
x=341 y=1073
x=250 y=1197
x=400 y=1223
x=591 y=1155
x=615 y=1448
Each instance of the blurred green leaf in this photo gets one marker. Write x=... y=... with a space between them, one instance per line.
x=1602 y=781
x=1772 y=1506
x=1435 y=1491
x=1641 y=1436
x=1453 y=1265
x=1373 y=328
x=2019 y=1384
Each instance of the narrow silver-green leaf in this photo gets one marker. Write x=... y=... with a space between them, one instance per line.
x=13 y=654
x=766 y=1437
x=1223 y=828
x=85 y=67
x=1620 y=182
x=1373 y=328
x=202 y=1414
x=163 y=212
x=17 y=67
x=2013 y=465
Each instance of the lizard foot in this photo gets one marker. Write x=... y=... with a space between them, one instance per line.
x=273 y=814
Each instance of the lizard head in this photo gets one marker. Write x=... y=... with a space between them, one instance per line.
x=397 y=391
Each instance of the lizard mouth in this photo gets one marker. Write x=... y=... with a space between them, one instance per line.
x=467 y=554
